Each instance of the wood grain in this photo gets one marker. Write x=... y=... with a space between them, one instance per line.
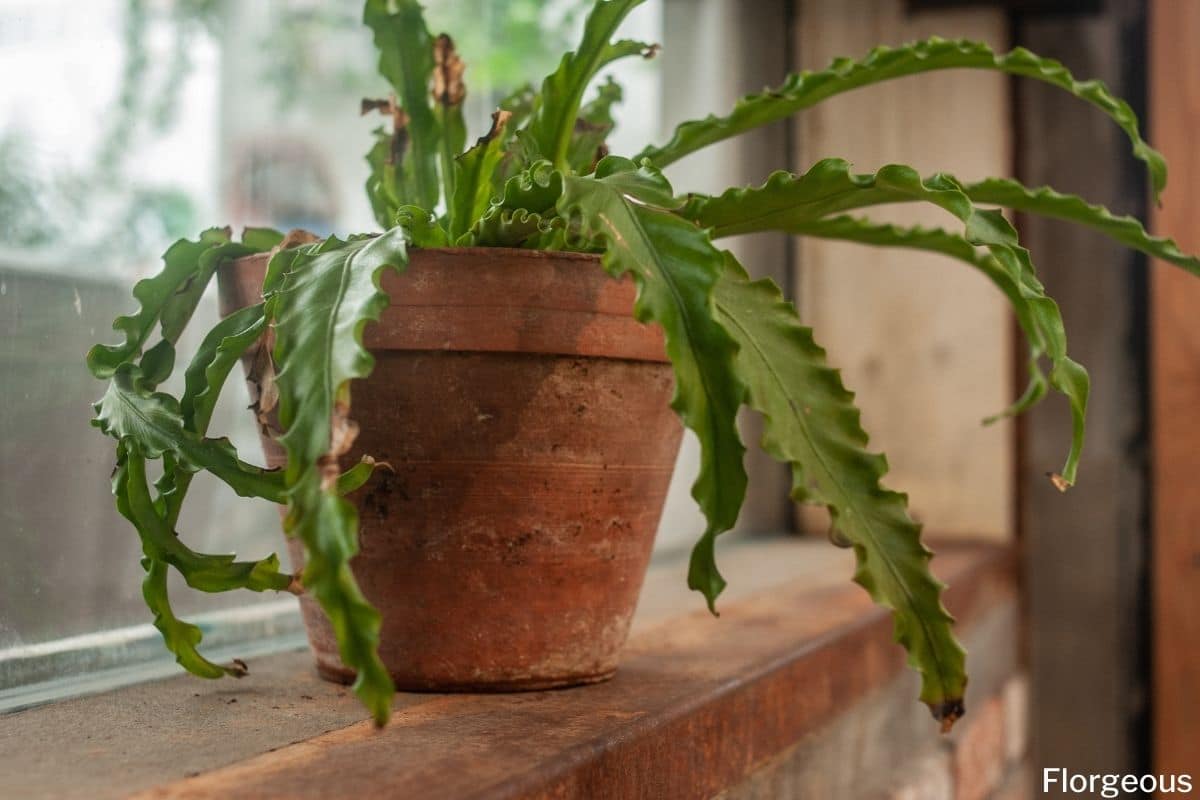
x=1175 y=328
x=697 y=706
x=922 y=340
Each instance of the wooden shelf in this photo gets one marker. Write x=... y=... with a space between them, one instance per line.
x=699 y=705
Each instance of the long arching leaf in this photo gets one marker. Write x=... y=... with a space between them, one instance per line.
x=828 y=187
x=208 y=573
x=216 y=356
x=181 y=638
x=319 y=306
x=1022 y=295
x=1049 y=203
x=205 y=572
x=810 y=422
x=675 y=267
x=128 y=412
x=181 y=267
x=805 y=89
x=794 y=203
x=204 y=378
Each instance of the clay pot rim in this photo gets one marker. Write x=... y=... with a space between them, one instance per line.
x=519 y=252
x=553 y=291
x=522 y=252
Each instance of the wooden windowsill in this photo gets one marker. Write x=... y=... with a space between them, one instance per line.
x=698 y=704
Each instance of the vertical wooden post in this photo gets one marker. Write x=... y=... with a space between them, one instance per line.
x=1085 y=552
x=1175 y=365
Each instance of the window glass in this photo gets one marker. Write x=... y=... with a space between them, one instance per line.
x=125 y=124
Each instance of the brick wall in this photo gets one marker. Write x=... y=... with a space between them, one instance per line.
x=886 y=747
x=986 y=759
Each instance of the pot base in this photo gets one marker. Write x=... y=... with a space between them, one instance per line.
x=337 y=674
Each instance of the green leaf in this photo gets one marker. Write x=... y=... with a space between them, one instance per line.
x=805 y=89
x=208 y=573
x=503 y=228
x=1027 y=298
x=158 y=363
x=1049 y=203
x=406 y=61
x=422 y=227
x=810 y=422
x=260 y=240
x=205 y=572
x=180 y=637
x=178 y=309
x=675 y=267
x=828 y=187
x=562 y=92
x=319 y=309
x=216 y=356
x=537 y=189
x=521 y=104
x=148 y=423
x=281 y=263
x=357 y=476
x=203 y=381
x=154 y=421
x=473 y=182
x=181 y=267
x=796 y=204
x=525 y=209
x=384 y=185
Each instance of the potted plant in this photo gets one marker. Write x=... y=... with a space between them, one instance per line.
x=533 y=312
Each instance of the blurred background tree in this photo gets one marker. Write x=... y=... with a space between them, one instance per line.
x=312 y=50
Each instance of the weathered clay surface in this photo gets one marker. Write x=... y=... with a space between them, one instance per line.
x=526 y=416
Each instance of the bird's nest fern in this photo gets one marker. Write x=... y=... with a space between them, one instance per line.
x=542 y=178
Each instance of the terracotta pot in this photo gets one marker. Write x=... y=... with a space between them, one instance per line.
x=525 y=413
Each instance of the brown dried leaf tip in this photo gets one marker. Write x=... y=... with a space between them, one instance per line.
x=399 y=124
x=1060 y=483
x=500 y=118
x=238 y=668
x=448 y=68
x=378 y=464
x=948 y=713
x=382 y=105
x=264 y=394
x=294 y=237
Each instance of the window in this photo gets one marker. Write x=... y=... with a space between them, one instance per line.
x=134 y=123
x=137 y=122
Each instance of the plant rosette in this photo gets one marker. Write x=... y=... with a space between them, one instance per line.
x=617 y=241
